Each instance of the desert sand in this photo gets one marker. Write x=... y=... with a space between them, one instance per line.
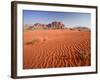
x=56 y=48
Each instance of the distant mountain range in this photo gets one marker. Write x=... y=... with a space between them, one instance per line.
x=53 y=25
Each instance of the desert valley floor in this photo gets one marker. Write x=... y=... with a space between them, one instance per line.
x=56 y=48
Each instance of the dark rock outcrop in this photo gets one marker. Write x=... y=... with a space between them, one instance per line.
x=56 y=25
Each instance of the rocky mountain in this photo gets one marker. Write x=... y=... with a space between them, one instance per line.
x=53 y=25
x=56 y=25
x=80 y=28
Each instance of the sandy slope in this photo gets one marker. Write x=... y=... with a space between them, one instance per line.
x=56 y=48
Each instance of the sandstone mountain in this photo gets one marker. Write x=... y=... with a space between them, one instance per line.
x=80 y=28
x=53 y=25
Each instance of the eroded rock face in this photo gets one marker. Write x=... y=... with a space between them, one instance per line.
x=53 y=25
x=56 y=25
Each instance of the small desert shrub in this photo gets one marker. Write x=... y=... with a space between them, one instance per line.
x=31 y=42
x=83 y=56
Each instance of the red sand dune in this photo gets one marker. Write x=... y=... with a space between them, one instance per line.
x=56 y=48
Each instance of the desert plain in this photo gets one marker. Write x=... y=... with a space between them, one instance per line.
x=56 y=48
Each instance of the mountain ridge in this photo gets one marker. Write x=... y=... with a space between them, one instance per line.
x=53 y=25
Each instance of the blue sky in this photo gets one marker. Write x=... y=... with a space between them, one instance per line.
x=68 y=18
